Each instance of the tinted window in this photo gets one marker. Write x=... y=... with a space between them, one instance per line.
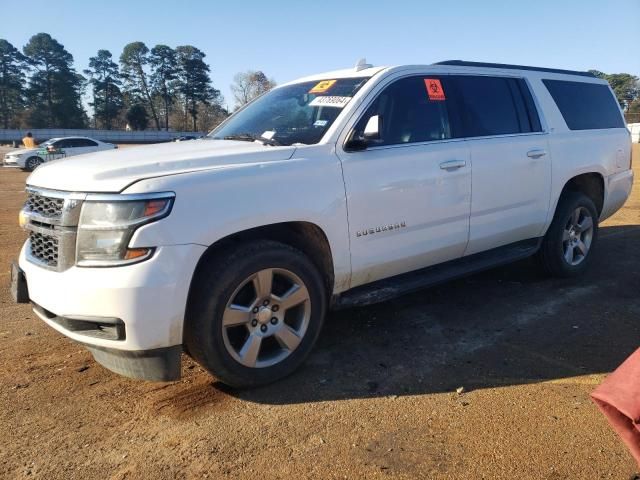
x=84 y=142
x=585 y=106
x=408 y=113
x=65 y=143
x=492 y=106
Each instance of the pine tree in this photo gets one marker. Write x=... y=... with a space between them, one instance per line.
x=194 y=83
x=55 y=88
x=134 y=60
x=164 y=66
x=105 y=80
x=12 y=71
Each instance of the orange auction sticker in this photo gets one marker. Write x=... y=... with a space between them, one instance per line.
x=322 y=86
x=434 y=89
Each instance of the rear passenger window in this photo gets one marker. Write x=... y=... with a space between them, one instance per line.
x=408 y=113
x=585 y=106
x=66 y=143
x=84 y=142
x=496 y=106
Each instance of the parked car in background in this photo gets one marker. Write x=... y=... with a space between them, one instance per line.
x=184 y=138
x=53 y=149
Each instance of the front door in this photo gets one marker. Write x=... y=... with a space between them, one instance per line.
x=409 y=191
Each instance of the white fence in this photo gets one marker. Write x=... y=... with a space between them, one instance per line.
x=634 y=128
x=112 y=136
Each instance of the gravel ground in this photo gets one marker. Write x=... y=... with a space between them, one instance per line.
x=376 y=399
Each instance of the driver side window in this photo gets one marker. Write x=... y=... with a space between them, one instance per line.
x=407 y=113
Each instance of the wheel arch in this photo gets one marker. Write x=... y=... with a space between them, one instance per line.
x=29 y=157
x=307 y=237
x=591 y=184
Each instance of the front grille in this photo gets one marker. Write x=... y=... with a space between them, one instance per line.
x=52 y=220
x=44 y=248
x=49 y=207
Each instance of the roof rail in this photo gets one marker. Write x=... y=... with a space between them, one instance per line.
x=463 y=63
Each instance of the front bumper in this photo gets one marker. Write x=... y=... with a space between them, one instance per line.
x=147 y=298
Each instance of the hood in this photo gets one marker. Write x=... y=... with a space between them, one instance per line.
x=114 y=170
x=21 y=151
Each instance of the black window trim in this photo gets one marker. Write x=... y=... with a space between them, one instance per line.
x=367 y=102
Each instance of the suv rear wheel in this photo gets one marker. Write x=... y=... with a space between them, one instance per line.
x=255 y=313
x=567 y=247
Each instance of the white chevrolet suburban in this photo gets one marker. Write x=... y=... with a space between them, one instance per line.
x=335 y=190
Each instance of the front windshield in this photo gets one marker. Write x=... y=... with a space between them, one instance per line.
x=294 y=114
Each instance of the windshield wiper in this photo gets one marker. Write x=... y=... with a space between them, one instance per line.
x=247 y=137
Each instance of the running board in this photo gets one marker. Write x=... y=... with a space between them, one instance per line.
x=389 y=288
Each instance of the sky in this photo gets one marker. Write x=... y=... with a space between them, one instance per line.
x=289 y=39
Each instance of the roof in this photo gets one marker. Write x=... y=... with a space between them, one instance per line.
x=371 y=71
x=504 y=66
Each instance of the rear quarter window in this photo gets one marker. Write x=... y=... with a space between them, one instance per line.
x=585 y=106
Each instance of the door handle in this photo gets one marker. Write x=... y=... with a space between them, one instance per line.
x=536 y=153
x=453 y=164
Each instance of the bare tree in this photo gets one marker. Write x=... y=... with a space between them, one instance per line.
x=249 y=85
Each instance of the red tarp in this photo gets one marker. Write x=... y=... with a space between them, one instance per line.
x=619 y=400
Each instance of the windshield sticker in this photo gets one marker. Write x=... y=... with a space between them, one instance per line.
x=434 y=89
x=320 y=123
x=333 y=101
x=323 y=86
x=268 y=134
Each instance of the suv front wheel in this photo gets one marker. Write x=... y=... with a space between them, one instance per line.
x=567 y=247
x=255 y=313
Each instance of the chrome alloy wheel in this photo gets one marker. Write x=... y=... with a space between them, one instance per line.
x=577 y=236
x=33 y=162
x=266 y=318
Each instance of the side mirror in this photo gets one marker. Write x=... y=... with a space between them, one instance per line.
x=373 y=127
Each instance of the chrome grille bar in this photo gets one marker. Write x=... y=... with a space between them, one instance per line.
x=52 y=222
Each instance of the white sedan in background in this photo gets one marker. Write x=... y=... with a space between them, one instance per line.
x=29 y=158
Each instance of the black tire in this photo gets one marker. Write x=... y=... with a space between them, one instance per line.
x=217 y=279
x=552 y=250
x=32 y=163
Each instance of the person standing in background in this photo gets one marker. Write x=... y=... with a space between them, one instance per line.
x=28 y=141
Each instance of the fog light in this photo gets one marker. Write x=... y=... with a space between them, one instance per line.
x=22 y=219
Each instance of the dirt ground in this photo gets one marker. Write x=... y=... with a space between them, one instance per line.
x=376 y=399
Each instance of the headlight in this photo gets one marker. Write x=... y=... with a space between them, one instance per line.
x=107 y=223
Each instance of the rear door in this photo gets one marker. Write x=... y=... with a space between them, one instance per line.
x=409 y=191
x=511 y=161
x=84 y=145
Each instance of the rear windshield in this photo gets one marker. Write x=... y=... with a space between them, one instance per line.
x=585 y=106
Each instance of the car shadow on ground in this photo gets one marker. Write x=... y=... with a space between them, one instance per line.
x=511 y=325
